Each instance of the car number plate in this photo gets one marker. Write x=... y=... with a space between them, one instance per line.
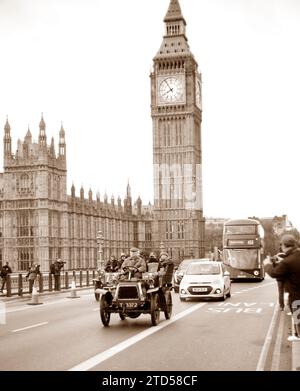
x=199 y=289
x=131 y=305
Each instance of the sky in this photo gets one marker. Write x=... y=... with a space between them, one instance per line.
x=86 y=64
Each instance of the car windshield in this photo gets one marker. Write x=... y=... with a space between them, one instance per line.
x=183 y=266
x=197 y=268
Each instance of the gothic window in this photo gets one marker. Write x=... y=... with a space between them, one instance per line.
x=57 y=187
x=135 y=233
x=180 y=230
x=23 y=184
x=25 y=257
x=169 y=230
x=148 y=232
x=24 y=223
x=49 y=186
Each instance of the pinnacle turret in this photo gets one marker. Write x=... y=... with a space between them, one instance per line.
x=7 y=140
x=42 y=133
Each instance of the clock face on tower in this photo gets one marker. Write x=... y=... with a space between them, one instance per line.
x=171 y=90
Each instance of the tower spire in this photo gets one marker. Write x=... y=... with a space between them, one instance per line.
x=62 y=142
x=128 y=190
x=7 y=140
x=42 y=134
x=174 y=41
x=52 y=148
x=174 y=12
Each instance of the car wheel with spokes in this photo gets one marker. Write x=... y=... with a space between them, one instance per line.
x=155 y=310
x=104 y=312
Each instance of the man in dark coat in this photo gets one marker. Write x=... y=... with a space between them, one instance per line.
x=5 y=270
x=289 y=271
x=58 y=265
x=112 y=265
x=136 y=262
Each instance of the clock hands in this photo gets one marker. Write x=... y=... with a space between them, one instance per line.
x=168 y=84
x=171 y=89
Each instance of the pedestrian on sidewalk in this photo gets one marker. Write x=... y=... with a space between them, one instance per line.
x=5 y=271
x=288 y=269
x=58 y=265
x=33 y=273
x=280 y=281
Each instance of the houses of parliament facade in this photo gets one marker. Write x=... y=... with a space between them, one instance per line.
x=40 y=221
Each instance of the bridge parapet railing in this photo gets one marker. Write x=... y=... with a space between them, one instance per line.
x=17 y=283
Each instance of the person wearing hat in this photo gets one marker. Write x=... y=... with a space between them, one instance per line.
x=112 y=265
x=135 y=263
x=152 y=263
x=166 y=264
x=288 y=269
x=122 y=259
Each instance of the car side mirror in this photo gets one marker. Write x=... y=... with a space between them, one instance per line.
x=226 y=273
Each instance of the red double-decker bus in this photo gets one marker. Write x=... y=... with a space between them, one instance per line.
x=243 y=247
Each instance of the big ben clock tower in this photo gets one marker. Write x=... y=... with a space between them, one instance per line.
x=176 y=110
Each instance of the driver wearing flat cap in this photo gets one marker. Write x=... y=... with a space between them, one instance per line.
x=135 y=262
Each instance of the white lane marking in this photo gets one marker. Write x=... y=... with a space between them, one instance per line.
x=277 y=348
x=99 y=358
x=30 y=327
x=264 y=353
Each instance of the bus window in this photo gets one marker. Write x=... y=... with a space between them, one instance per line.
x=240 y=229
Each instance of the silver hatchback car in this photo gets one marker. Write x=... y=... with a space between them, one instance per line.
x=204 y=278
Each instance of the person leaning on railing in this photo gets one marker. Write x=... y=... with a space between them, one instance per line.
x=32 y=274
x=288 y=270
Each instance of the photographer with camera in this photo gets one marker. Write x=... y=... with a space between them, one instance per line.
x=289 y=270
x=58 y=265
x=276 y=259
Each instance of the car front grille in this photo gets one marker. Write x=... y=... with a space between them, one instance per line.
x=208 y=291
x=128 y=292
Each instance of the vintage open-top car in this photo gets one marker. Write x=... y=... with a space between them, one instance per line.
x=130 y=297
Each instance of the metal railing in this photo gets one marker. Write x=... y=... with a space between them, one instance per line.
x=17 y=284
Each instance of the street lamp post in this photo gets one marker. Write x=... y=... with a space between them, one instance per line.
x=100 y=243
x=162 y=247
